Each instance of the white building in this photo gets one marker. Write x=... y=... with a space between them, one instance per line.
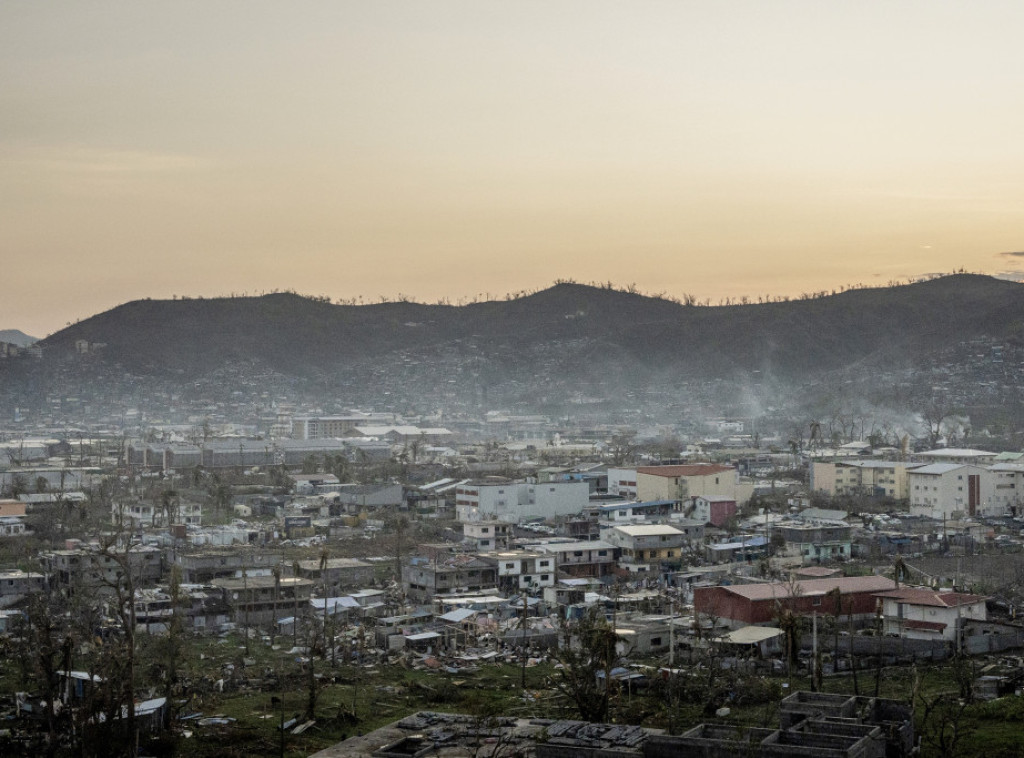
x=1007 y=487
x=924 y=614
x=622 y=482
x=485 y=536
x=523 y=570
x=951 y=490
x=520 y=501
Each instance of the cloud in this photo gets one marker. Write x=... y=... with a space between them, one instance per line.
x=1014 y=254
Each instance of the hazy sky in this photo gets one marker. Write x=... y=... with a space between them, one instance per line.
x=437 y=148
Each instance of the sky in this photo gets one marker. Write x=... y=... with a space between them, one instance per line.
x=452 y=149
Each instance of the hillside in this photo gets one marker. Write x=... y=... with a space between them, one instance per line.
x=16 y=337
x=303 y=336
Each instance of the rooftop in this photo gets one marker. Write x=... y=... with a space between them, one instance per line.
x=692 y=469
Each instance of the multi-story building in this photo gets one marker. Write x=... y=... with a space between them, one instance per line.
x=952 y=490
x=1007 y=487
x=263 y=600
x=522 y=570
x=926 y=614
x=644 y=545
x=16 y=585
x=713 y=509
x=318 y=427
x=102 y=571
x=593 y=558
x=818 y=543
x=862 y=477
x=425 y=578
x=680 y=483
x=957 y=455
x=485 y=536
x=622 y=482
x=519 y=501
x=203 y=566
x=339 y=574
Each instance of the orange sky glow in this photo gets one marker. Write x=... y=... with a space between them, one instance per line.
x=449 y=149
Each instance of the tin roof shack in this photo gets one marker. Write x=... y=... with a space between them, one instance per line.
x=746 y=547
x=744 y=604
x=389 y=629
x=339 y=574
x=568 y=592
x=756 y=641
x=644 y=635
x=262 y=600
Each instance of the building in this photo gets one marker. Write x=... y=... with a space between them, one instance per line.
x=957 y=455
x=263 y=600
x=590 y=558
x=522 y=570
x=925 y=614
x=519 y=501
x=713 y=509
x=317 y=427
x=425 y=578
x=485 y=536
x=861 y=477
x=622 y=483
x=102 y=571
x=339 y=574
x=642 y=546
x=203 y=566
x=817 y=543
x=952 y=490
x=16 y=585
x=745 y=604
x=632 y=511
x=680 y=483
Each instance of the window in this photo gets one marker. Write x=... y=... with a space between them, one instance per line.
x=545 y=577
x=816 y=601
x=602 y=552
x=655 y=641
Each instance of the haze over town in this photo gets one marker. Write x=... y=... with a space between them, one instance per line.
x=511 y=380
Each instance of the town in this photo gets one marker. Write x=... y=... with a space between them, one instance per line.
x=351 y=578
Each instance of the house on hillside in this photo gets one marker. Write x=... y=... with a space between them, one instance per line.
x=925 y=614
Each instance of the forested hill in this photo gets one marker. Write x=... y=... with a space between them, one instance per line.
x=582 y=324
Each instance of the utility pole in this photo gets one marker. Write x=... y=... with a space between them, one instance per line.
x=522 y=626
x=814 y=651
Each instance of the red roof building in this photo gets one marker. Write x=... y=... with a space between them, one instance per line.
x=743 y=604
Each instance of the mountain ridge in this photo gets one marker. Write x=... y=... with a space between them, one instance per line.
x=301 y=335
